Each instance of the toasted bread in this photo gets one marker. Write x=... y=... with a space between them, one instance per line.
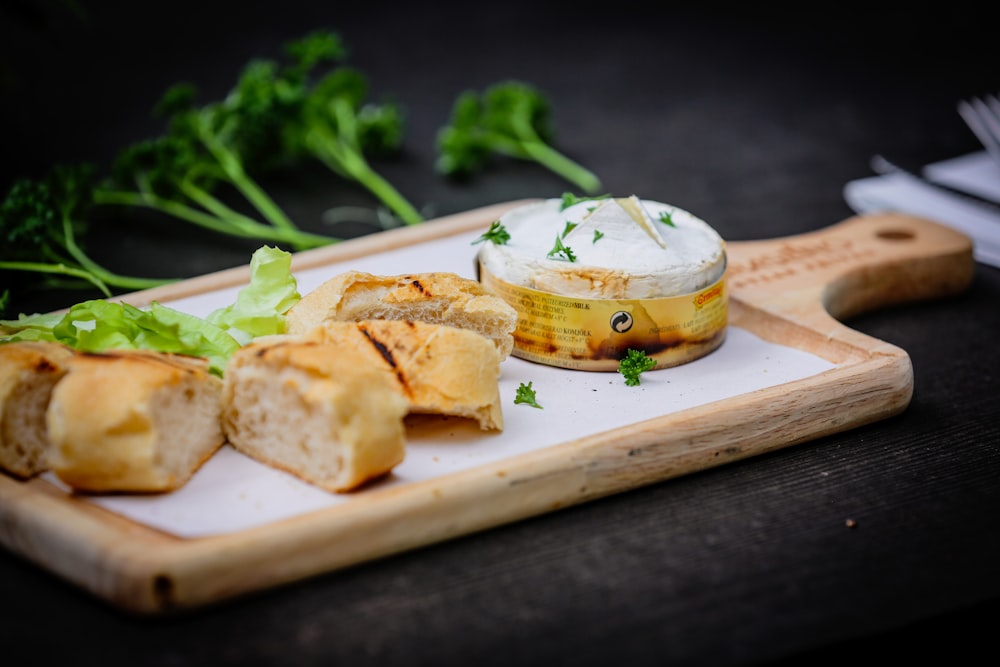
x=28 y=372
x=133 y=421
x=315 y=411
x=439 y=369
x=435 y=298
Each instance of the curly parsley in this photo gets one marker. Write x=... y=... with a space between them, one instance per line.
x=526 y=395
x=497 y=234
x=561 y=252
x=634 y=363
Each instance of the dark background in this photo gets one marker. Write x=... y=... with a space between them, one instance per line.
x=753 y=119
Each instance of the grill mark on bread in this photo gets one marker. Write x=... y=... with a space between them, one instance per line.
x=386 y=353
x=267 y=349
x=44 y=366
x=420 y=288
x=184 y=363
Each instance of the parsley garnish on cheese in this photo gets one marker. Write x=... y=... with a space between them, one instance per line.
x=497 y=234
x=561 y=252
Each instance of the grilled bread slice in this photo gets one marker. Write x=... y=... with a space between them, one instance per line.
x=314 y=410
x=133 y=421
x=436 y=298
x=439 y=369
x=28 y=372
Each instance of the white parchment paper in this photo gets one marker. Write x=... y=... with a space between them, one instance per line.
x=232 y=492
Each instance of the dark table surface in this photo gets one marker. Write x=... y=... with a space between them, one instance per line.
x=752 y=120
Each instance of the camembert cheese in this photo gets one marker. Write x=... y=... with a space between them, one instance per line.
x=615 y=248
x=595 y=278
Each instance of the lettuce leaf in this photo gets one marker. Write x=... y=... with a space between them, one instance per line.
x=260 y=307
x=99 y=325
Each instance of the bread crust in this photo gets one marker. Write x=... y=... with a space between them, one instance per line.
x=439 y=369
x=433 y=297
x=28 y=372
x=133 y=421
x=312 y=410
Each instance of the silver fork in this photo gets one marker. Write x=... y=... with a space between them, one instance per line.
x=982 y=115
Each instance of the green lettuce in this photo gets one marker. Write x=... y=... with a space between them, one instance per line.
x=260 y=307
x=99 y=325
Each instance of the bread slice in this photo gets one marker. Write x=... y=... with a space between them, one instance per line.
x=28 y=372
x=133 y=421
x=436 y=298
x=313 y=410
x=438 y=368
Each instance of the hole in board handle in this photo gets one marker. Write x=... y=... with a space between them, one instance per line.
x=895 y=234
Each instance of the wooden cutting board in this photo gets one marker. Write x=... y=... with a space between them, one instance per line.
x=792 y=291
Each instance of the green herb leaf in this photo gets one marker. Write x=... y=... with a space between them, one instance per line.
x=496 y=234
x=526 y=395
x=561 y=252
x=666 y=217
x=634 y=363
x=43 y=224
x=570 y=226
x=511 y=119
x=570 y=199
x=598 y=235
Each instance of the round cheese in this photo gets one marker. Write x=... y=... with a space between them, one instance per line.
x=596 y=281
x=606 y=248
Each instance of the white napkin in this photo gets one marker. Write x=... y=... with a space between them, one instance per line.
x=975 y=173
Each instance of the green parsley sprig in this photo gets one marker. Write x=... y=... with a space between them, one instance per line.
x=510 y=118
x=667 y=218
x=634 y=363
x=496 y=234
x=561 y=252
x=526 y=396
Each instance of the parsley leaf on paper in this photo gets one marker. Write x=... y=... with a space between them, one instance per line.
x=526 y=395
x=634 y=363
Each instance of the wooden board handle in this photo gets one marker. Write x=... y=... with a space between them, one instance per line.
x=865 y=262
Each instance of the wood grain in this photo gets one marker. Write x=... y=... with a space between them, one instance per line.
x=794 y=291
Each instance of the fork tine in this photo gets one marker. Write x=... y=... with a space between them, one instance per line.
x=983 y=118
x=989 y=111
x=994 y=104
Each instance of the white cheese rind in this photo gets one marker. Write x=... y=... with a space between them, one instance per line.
x=626 y=263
